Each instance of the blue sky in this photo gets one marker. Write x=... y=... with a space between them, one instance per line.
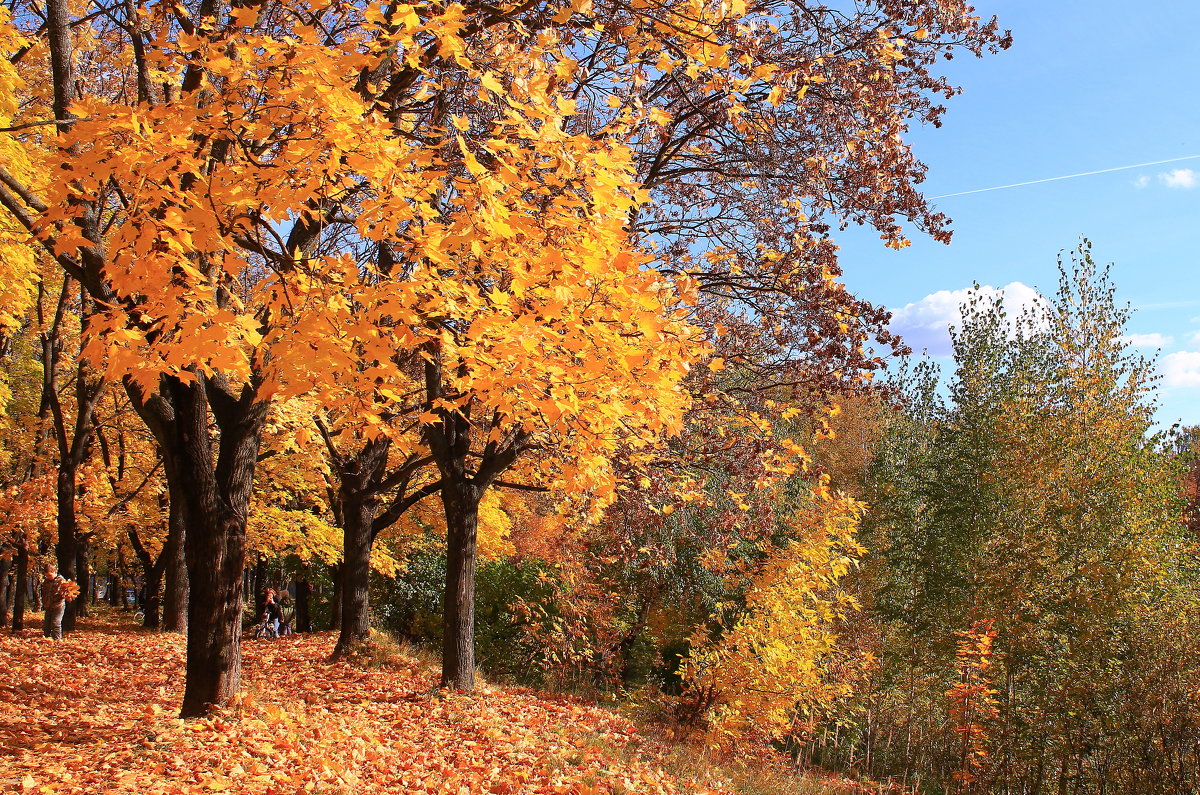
x=1087 y=85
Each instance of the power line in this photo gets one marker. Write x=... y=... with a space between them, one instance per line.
x=1067 y=176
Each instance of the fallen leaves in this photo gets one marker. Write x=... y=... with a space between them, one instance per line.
x=94 y=713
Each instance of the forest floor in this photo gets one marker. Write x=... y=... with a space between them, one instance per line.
x=96 y=713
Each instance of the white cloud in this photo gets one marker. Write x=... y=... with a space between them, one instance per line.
x=1181 y=369
x=925 y=324
x=1151 y=340
x=1194 y=337
x=1141 y=181
x=1180 y=178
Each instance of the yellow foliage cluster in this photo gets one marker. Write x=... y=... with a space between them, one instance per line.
x=766 y=672
x=18 y=267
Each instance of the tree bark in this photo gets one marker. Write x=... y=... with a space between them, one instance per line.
x=175 y=601
x=357 y=515
x=216 y=504
x=215 y=499
x=335 y=608
x=152 y=583
x=18 y=616
x=461 y=506
x=259 y=584
x=465 y=477
x=67 y=549
x=72 y=445
x=152 y=600
x=5 y=567
x=83 y=572
x=304 y=591
x=359 y=480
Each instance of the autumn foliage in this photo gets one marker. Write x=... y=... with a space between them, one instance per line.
x=88 y=714
x=513 y=328
x=972 y=702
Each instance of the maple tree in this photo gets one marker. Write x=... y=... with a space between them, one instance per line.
x=27 y=496
x=421 y=228
x=207 y=310
x=72 y=435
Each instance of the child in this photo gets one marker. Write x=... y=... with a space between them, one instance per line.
x=272 y=613
x=54 y=602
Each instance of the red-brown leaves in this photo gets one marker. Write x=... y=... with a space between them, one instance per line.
x=94 y=713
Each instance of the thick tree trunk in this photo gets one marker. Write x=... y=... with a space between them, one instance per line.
x=175 y=601
x=215 y=550
x=216 y=502
x=461 y=506
x=357 y=517
x=18 y=616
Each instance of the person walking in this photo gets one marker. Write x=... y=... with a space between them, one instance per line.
x=272 y=612
x=54 y=602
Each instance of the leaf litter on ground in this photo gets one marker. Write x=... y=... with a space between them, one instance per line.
x=95 y=712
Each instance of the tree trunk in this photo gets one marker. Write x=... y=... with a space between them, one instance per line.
x=5 y=592
x=359 y=481
x=461 y=505
x=259 y=584
x=67 y=549
x=465 y=476
x=215 y=550
x=335 y=608
x=358 y=514
x=151 y=582
x=216 y=503
x=175 y=602
x=18 y=616
x=304 y=591
x=152 y=599
x=124 y=578
x=83 y=571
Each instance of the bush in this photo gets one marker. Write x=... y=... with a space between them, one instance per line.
x=514 y=600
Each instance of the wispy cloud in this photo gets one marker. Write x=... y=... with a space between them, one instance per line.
x=1181 y=369
x=926 y=324
x=1184 y=178
x=1141 y=182
x=1151 y=340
